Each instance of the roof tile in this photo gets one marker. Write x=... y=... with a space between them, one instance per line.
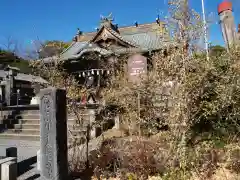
x=144 y=37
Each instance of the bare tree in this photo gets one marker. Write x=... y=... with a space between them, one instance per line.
x=183 y=91
x=10 y=44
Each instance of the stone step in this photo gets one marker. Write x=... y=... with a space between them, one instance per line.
x=26 y=112
x=23 y=131
x=72 y=140
x=29 y=126
x=37 y=132
x=31 y=115
x=37 y=121
x=28 y=116
x=37 y=126
x=38 y=112
x=30 y=121
x=75 y=134
x=35 y=116
x=19 y=136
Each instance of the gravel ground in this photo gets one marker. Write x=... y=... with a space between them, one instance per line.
x=27 y=151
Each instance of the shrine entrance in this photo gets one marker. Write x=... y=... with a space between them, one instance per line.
x=92 y=71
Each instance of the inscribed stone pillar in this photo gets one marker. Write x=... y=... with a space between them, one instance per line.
x=117 y=122
x=53 y=134
x=8 y=90
x=92 y=121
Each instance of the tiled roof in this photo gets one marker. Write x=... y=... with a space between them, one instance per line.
x=25 y=77
x=145 y=41
x=75 y=48
x=89 y=48
x=149 y=40
x=127 y=30
x=144 y=37
x=30 y=78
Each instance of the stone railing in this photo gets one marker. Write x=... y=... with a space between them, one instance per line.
x=8 y=165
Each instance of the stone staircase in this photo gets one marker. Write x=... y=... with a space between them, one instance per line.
x=28 y=127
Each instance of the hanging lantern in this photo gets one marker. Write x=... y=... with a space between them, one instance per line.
x=88 y=73
x=102 y=71
x=83 y=74
x=92 y=72
x=80 y=75
x=98 y=72
x=108 y=72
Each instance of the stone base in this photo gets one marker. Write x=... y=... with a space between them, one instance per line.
x=6 y=164
x=9 y=171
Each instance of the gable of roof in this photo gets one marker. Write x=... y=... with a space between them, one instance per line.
x=106 y=32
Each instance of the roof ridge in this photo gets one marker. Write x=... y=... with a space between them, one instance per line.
x=121 y=27
x=125 y=26
x=113 y=33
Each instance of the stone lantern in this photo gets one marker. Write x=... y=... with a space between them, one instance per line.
x=10 y=85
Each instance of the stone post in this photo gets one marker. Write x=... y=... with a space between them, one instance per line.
x=53 y=134
x=9 y=171
x=117 y=122
x=92 y=121
x=11 y=152
x=6 y=160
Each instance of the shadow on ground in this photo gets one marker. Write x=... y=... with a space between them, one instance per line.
x=35 y=176
x=26 y=165
x=85 y=175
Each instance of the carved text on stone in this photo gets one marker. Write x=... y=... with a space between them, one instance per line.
x=47 y=112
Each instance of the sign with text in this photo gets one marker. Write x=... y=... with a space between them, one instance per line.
x=137 y=65
x=53 y=134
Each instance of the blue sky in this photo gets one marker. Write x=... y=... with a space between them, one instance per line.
x=26 y=20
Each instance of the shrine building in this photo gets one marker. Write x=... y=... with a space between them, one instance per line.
x=93 y=55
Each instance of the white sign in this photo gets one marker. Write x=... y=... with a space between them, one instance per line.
x=137 y=64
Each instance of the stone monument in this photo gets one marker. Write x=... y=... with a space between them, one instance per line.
x=10 y=89
x=53 y=134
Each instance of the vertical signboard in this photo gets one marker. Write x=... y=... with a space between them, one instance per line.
x=137 y=65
